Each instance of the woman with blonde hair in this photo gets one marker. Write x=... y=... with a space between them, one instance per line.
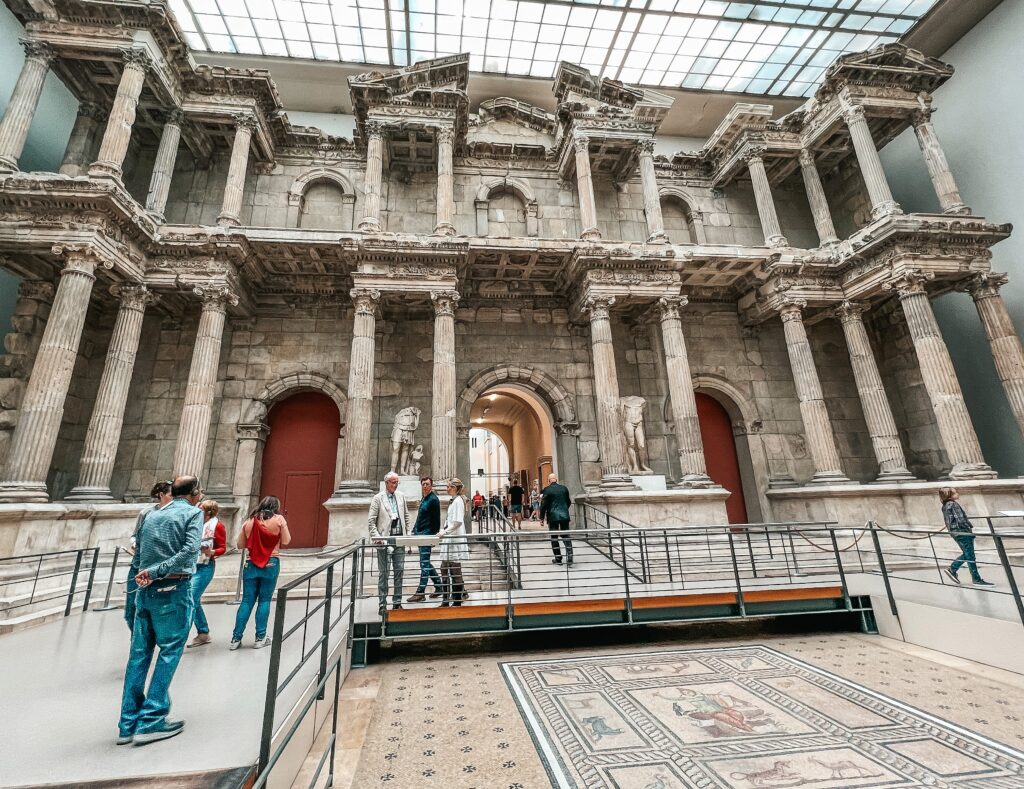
x=213 y=544
x=454 y=548
x=962 y=532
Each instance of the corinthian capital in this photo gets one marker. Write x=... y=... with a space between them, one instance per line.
x=245 y=120
x=850 y=311
x=81 y=258
x=986 y=285
x=444 y=301
x=446 y=135
x=581 y=143
x=909 y=283
x=598 y=307
x=365 y=300
x=215 y=297
x=92 y=111
x=133 y=295
x=374 y=129
x=669 y=306
x=806 y=157
x=37 y=50
x=754 y=153
x=853 y=112
x=645 y=147
x=791 y=308
x=175 y=116
x=137 y=59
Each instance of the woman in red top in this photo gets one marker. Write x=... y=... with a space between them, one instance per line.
x=262 y=535
x=213 y=544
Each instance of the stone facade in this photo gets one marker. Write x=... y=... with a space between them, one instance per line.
x=200 y=258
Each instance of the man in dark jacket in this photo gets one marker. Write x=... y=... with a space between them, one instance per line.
x=428 y=521
x=555 y=504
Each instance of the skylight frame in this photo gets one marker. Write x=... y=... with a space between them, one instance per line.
x=764 y=47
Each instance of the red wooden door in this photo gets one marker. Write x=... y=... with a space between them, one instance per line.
x=299 y=461
x=720 y=454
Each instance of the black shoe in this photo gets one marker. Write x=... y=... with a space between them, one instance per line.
x=445 y=604
x=982 y=582
x=436 y=593
x=381 y=610
x=556 y=561
x=569 y=560
x=169 y=729
x=396 y=607
x=948 y=571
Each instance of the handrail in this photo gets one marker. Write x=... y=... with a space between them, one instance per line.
x=637 y=539
x=85 y=561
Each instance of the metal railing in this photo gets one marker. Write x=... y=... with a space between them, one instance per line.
x=629 y=551
x=492 y=528
x=35 y=579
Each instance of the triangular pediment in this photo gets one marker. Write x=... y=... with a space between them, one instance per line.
x=888 y=65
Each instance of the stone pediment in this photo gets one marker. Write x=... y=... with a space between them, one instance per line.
x=890 y=65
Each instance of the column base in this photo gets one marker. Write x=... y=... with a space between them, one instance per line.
x=972 y=471
x=24 y=492
x=591 y=234
x=960 y=209
x=369 y=225
x=105 y=170
x=86 y=493
x=894 y=475
x=830 y=478
x=690 y=481
x=617 y=482
x=354 y=487
x=227 y=220
x=781 y=481
x=444 y=229
x=8 y=164
x=891 y=208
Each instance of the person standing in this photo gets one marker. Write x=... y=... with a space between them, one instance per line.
x=516 y=493
x=478 y=506
x=212 y=545
x=166 y=550
x=389 y=519
x=535 y=501
x=161 y=495
x=454 y=548
x=554 y=504
x=428 y=522
x=962 y=532
x=262 y=535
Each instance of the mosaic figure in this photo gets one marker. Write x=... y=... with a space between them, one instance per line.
x=778 y=775
x=599 y=728
x=721 y=714
x=840 y=769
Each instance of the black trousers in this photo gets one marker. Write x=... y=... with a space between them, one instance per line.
x=563 y=526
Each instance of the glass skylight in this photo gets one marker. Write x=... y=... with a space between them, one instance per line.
x=773 y=47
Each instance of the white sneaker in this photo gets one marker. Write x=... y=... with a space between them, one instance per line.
x=262 y=642
x=234 y=645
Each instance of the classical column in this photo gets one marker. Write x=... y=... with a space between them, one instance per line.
x=882 y=201
x=442 y=421
x=104 y=433
x=885 y=438
x=606 y=392
x=42 y=407
x=763 y=197
x=252 y=436
x=954 y=423
x=938 y=168
x=585 y=187
x=652 y=200
x=231 y=207
x=818 y=201
x=693 y=469
x=445 y=184
x=78 y=152
x=23 y=102
x=118 y=133
x=370 y=222
x=194 y=430
x=359 y=409
x=1002 y=337
x=817 y=427
x=163 y=167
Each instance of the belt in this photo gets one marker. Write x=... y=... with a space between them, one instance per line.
x=175 y=577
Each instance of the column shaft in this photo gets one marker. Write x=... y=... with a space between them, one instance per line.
x=765 y=202
x=163 y=167
x=939 y=376
x=234 y=187
x=372 y=184
x=885 y=438
x=585 y=187
x=652 y=200
x=882 y=201
x=606 y=392
x=445 y=184
x=104 y=433
x=21 y=107
x=442 y=422
x=359 y=409
x=693 y=468
x=118 y=133
x=42 y=408
x=78 y=152
x=817 y=200
x=938 y=167
x=194 y=429
x=820 y=440
x=1007 y=352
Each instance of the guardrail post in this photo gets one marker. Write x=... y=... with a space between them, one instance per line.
x=625 y=577
x=92 y=577
x=238 y=582
x=110 y=582
x=1008 y=569
x=74 y=581
x=842 y=572
x=270 y=704
x=328 y=594
x=881 y=568
x=736 y=574
x=750 y=550
x=353 y=594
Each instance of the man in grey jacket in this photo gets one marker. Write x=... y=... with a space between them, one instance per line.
x=554 y=505
x=389 y=519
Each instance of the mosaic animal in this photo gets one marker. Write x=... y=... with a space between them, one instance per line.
x=660 y=782
x=840 y=768
x=777 y=775
x=674 y=668
x=599 y=728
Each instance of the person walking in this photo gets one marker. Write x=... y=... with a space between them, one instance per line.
x=167 y=546
x=262 y=535
x=454 y=548
x=478 y=506
x=428 y=522
x=388 y=519
x=962 y=532
x=213 y=544
x=554 y=504
x=535 y=501
x=161 y=495
x=516 y=494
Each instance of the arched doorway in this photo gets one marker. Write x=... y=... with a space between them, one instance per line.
x=720 y=454
x=299 y=463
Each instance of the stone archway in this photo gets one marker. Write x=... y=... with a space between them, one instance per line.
x=521 y=189
x=694 y=218
x=317 y=175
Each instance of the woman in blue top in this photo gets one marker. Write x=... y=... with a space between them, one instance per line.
x=962 y=532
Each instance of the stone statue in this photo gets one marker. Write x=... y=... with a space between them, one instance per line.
x=402 y=437
x=416 y=460
x=632 y=413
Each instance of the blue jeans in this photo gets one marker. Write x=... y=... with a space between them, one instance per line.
x=427 y=571
x=966 y=543
x=130 y=588
x=163 y=619
x=202 y=578
x=257 y=589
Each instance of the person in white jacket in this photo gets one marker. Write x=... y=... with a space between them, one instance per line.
x=389 y=519
x=454 y=548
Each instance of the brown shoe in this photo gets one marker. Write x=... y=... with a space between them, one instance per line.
x=199 y=640
x=419 y=597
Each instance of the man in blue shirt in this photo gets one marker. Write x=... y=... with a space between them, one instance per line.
x=167 y=546
x=428 y=521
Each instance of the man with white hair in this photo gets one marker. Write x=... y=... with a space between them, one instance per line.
x=389 y=519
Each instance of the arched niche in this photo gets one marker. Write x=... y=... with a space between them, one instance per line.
x=508 y=191
x=322 y=199
x=684 y=224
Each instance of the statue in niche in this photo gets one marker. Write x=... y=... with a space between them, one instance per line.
x=632 y=414
x=416 y=460
x=402 y=437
